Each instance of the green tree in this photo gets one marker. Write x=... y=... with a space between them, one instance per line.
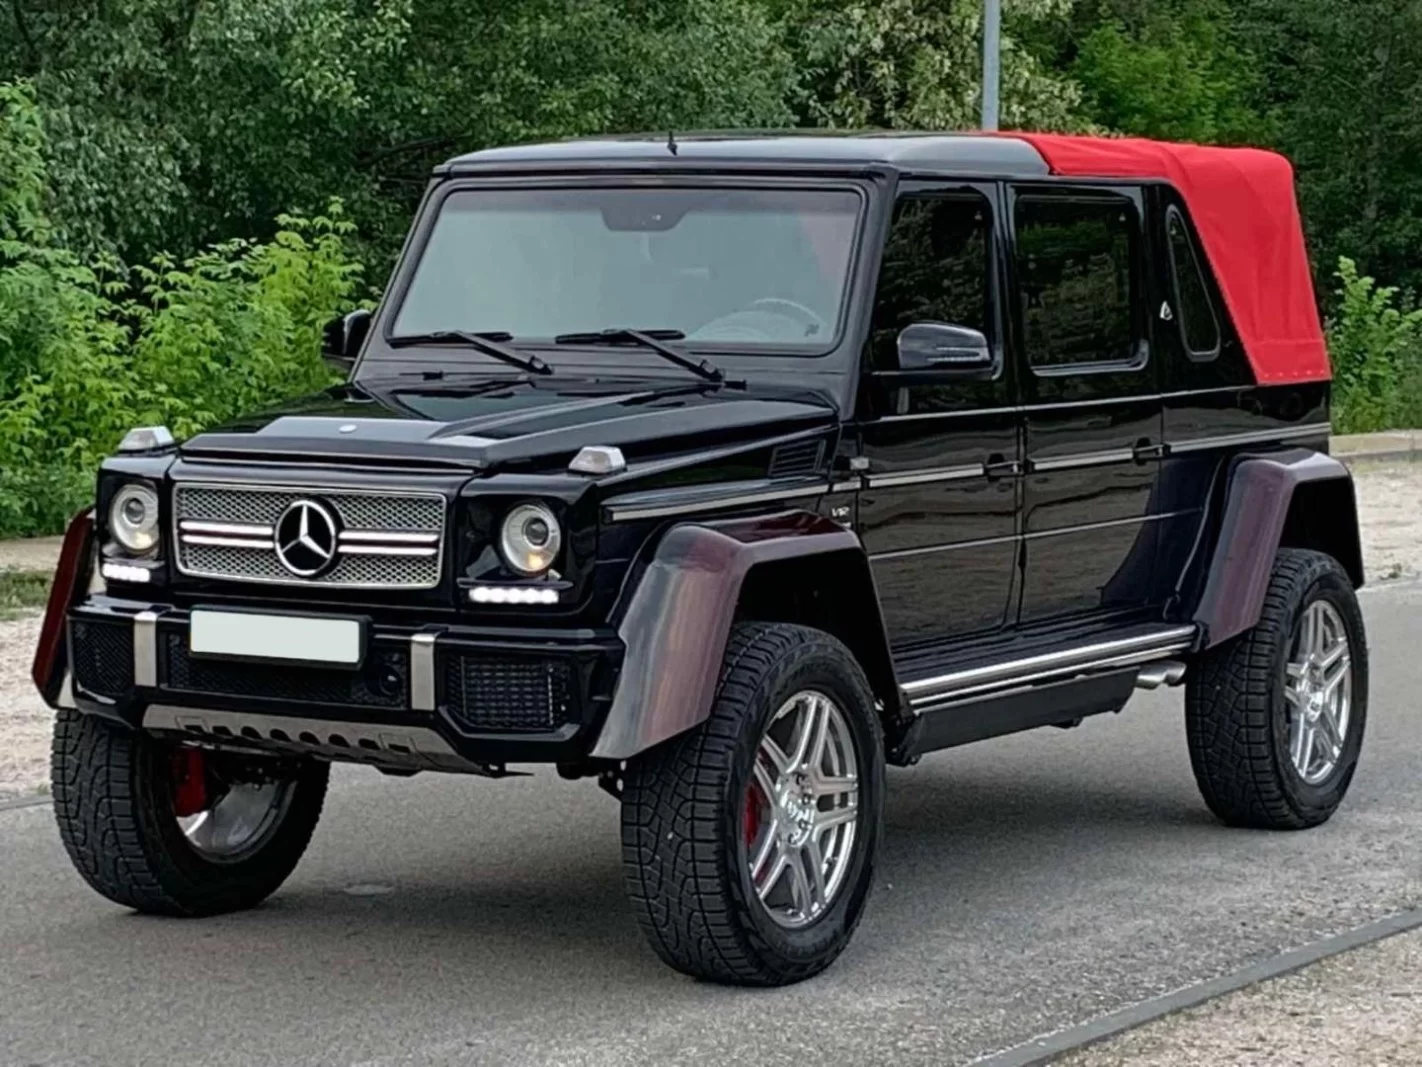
x=1346 y=80
x=1171 y=70
x=175 y=123
x=918 y=64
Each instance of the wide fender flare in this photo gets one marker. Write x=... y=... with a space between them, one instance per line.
x=1259 y=498
x=678 y=619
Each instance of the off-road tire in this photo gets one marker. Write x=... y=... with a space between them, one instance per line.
x=115 y=812
x=682 y=861
x=1235 y=715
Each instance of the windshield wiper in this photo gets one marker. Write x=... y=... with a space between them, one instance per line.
x=648 y=339
x=491 y=343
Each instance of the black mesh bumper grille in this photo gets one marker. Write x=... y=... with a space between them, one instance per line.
x=102 y=655
x=382 y=682
x=484 y=694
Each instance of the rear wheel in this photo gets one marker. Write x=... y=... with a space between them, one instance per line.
x=748 y=843
x=174 y=830
x=1275 y=717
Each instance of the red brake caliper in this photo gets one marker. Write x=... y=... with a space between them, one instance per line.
x=755 y=800
x=189 y=782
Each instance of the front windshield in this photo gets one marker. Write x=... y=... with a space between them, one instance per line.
x=757 y=267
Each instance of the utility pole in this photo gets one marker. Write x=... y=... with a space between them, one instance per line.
x=992 y=60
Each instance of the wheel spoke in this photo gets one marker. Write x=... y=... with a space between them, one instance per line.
x=766 y=777
x=769 y=850
x=1318 y=630
x=809 y=731
x=776 y=755
x=801 y=897
x=1306 y=626
x=1328 y=732
x=826 y=820
x=778 y=867
x=1302 y=743
x=814 y=863
x=1334 y=677
x=826 y=785
x=1291 y=694
x=1338 y=650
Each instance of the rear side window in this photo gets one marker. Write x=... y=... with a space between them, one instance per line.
x=1076 y=280
x=1199 y=328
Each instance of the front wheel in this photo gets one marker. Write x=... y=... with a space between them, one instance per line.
x=748 y=843
x=1275 y=716
x=172 y=830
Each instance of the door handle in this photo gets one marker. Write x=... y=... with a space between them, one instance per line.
x=999 y=466
x=1146 y=450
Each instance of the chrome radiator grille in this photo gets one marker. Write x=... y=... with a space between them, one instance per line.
x=387 y=539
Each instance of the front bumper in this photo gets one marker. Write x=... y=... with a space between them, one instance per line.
x=441 y=697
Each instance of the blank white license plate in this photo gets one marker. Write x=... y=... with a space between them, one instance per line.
x=278 y=637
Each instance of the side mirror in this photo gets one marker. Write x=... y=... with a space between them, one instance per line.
x=342 y=338
x=940 y=346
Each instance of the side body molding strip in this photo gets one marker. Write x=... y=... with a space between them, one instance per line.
x=678 y=620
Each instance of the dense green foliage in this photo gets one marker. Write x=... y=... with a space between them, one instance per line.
x=87 y=352
x=248 y=154
x=1375 y=339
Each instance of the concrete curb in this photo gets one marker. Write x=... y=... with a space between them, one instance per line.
x=1044 y=1049
x=1386 y=445
x=16 y=803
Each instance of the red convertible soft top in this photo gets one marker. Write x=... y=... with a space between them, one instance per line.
x=1242 y=203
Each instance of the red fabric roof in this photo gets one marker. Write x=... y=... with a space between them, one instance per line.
x=1243 y=206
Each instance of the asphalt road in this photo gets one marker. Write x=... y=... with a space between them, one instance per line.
x=1027 y=884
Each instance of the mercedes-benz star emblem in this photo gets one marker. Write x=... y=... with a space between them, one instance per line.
x=305 y=538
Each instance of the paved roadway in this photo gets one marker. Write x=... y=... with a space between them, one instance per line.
x=1027 y=884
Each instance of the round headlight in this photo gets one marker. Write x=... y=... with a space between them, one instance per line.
x=133 y=518
x=530 y=539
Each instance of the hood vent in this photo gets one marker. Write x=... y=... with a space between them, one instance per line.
x=802 y=457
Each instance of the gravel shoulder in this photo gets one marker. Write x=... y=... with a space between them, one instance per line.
x=1363 y=1007
x=24 y=718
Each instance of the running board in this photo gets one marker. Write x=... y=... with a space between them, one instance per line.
x=1098 y=657
x=1061 y=703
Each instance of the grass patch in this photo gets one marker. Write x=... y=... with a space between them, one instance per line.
x=21 y=592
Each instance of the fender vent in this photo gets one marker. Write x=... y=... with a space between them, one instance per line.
x=802 y=457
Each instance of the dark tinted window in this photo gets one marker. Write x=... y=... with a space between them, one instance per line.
x=1198 y=325
x=1075 y=276
x=935 y=269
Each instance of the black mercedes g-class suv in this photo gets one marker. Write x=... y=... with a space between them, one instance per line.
x=726 y=470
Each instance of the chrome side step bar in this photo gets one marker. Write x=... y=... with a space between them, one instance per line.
x=403 y=748
x=925 y=694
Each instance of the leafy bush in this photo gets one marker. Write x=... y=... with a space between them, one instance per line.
x=87 y=351
x=1375 y=341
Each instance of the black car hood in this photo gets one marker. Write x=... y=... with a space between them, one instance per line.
x=483 y=424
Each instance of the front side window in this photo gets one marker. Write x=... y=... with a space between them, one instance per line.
x=1198 y=326
x=935 y=269
x=1076 y=280
x=765 y=268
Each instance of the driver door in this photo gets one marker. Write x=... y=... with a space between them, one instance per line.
x=938 y=514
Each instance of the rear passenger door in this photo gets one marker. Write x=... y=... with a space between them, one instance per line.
x=1091 y=404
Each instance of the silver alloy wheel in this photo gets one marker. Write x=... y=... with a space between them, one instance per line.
x=1318 y=689
x=802 y=809
x=239 y=821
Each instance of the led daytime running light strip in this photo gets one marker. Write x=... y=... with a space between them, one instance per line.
x=505 y=594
